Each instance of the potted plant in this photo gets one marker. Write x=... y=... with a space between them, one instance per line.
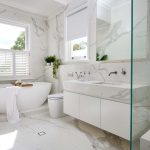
x=52 y=58
x=101 y=58
x=56 y=65
x=49 y=60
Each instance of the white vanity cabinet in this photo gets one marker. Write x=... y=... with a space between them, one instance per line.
x=85 y=108
x=108 y=115
x=107 y=105
x=90 y=110
x=71 y=104
x=115 y=118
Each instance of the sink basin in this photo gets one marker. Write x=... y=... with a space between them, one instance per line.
x=98 y=82
x=105 y=83
x=112 y=91
x=94 y=82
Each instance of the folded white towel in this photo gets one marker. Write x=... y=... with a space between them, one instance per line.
x=11 y=104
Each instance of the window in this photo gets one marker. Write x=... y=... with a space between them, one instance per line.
x=77 y=27
x=78 y=48
x=14 y=51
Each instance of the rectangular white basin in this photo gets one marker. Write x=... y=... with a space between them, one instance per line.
x=113 y=91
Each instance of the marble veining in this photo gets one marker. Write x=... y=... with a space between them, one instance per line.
x=112 y=37
x=40 y=31
x=123 y=95
x=61 y=134
x=115 y=36
x=3 y=11
x=37 y=27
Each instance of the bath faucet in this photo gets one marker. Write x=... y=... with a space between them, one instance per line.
x=79 y=76
x=114 y=72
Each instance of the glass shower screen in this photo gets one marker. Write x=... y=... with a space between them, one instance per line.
x=140 y=74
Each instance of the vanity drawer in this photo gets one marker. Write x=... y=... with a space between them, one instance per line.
x=115 y=118
x=90 y=110
x=71 y=104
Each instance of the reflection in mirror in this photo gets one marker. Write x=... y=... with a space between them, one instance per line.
x=114 y=30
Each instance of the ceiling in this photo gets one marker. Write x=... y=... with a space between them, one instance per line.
x=41 y=7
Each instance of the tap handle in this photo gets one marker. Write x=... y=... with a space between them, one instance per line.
x=123 y=72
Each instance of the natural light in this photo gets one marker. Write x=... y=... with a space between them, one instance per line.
x=79 y=48
x=7 y=140
x=8 y=35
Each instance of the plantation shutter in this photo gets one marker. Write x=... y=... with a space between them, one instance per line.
x=22 y=63
x=6 y=63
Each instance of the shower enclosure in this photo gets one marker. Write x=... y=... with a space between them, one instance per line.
x=140 y=74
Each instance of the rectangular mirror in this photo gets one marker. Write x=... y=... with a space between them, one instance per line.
x=114 y=30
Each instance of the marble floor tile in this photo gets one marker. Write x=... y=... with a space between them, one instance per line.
x=40 y=132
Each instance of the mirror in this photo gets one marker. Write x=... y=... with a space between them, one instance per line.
x=114 y=30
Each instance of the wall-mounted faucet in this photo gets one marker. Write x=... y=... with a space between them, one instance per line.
x=82 y=75
x=114 y=72
x=79 y=75
x=123 y=72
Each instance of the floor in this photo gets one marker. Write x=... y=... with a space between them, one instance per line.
x=40 y=132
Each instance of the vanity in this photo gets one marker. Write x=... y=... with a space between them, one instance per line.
x=103 y=105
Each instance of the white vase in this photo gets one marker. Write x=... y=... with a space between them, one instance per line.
x=48 y=64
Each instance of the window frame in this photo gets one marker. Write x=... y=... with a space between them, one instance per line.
x=68 y=58
x=27 y=50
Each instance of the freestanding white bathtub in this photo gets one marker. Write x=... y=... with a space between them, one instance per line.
x=28 y=97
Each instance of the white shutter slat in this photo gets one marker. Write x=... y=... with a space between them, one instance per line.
x=22 y=63
x=6 y=63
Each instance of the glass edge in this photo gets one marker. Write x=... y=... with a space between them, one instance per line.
x=131 y=79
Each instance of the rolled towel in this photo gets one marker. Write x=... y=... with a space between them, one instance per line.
x=56 y=96
x=26 y=84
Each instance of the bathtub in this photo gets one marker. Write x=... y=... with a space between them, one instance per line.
x=28 y=97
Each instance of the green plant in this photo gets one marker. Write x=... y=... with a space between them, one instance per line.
x=47 y=59
x=50 y=59
x=76 y=47
x=56 y=65
x=103 y=58
x=97 y=57
x=53 y=58
x=20 y=42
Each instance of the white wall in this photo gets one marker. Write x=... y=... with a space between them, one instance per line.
x=38 y=36
x=56 y=35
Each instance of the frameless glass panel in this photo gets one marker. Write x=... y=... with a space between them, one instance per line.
x=140 y=99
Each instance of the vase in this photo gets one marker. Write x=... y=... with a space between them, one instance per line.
x=48 y=64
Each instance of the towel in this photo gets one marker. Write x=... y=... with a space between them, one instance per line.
x=56 y=96
x=11 y=104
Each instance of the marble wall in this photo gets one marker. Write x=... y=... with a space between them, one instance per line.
x=37 y=33
x=57 y=46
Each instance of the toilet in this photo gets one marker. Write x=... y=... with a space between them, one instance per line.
x=55 y=104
